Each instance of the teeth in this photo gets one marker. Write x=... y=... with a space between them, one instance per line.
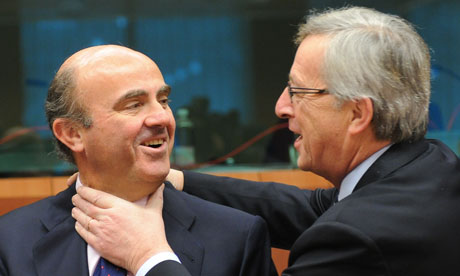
x=156 y=142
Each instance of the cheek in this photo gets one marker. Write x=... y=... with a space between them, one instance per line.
x=171 y=132
x=171 y=144
x=306 y=119
x=122 y=132
x=172 y=127
x=116 y=133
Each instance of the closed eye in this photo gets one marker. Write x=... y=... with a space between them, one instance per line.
x=134 y=105
x=165 y=102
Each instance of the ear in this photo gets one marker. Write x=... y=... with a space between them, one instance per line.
x=363 y=111
x=69 y=133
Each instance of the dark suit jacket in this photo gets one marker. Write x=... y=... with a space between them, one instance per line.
x=209 y=239
x=402 y=219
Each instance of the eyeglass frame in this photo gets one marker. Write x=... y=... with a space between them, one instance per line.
x=305 y=90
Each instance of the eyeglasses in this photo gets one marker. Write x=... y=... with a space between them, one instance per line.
x=303 y=90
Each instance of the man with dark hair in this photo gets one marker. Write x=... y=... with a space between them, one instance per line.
x=108 y=107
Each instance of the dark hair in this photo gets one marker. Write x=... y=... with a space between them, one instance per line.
x=62 y=103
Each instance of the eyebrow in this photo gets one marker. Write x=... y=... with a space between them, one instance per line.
x=132 y=94
x=164 y=89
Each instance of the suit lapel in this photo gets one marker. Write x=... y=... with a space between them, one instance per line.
x=178 y=219
x=61 y=251
x=394 y=158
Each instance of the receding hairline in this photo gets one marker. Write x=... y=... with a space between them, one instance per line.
x=98 y=57
x=95 y=54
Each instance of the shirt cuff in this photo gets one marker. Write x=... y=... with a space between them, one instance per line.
x=156 y=259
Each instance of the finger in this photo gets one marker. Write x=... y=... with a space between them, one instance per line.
x=86 y=207
x=72 y=179
x=155 y=201
x=88 y=236
x=97 y=198
x=176 y=178
x=82 y=218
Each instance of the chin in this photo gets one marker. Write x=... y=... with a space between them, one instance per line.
x=157 y=174
x=302 y=164
x=153 y=168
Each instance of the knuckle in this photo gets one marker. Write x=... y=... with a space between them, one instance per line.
x=100 y=246
x=96 y=199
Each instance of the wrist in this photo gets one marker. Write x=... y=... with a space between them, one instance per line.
x=156 y=254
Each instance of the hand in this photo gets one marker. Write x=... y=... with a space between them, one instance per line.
x=122 y=232
x=72 y=179
x=176 y=178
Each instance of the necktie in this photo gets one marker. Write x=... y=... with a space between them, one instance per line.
x=106 y=268
x=336 y=196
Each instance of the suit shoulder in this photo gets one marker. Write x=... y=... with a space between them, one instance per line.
x=26 y=212
x=52 y=206
x=22 y=226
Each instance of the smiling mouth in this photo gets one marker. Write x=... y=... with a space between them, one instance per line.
x=156 y=143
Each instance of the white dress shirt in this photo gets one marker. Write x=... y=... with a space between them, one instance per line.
x=351 y=180
x=93 y=255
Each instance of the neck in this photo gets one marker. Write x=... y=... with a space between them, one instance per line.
x=127 y=189
x=356 y=155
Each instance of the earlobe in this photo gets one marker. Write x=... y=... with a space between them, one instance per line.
x=69 y=133
x=363 y=111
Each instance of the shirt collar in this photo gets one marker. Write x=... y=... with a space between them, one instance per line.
x=92 y=254
x=352 y=178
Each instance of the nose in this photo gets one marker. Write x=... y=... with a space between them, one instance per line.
x=284 y=108
x=158 y=116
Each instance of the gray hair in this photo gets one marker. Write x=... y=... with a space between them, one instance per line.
x=62 y=102
x=378 y=56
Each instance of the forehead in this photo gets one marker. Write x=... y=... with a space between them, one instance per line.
x=115 y=73
x=308 y=62
x=114 y=61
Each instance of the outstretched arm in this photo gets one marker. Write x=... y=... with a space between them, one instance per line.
x=287 y=209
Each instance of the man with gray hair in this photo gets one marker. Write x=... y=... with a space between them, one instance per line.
x=357 y=97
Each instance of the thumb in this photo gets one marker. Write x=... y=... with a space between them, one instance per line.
x=72 y=179
x=155 y=201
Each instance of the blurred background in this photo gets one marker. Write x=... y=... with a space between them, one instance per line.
x=226 y=60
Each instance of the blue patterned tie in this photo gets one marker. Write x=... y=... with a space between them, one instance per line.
x=106 y=268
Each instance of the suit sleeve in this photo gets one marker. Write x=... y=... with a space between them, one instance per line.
x=257 y=252
x=334 y=248
x=287 y=209
x=2 y=268
x=168 y=268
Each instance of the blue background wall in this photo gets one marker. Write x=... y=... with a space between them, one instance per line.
x=226 y=60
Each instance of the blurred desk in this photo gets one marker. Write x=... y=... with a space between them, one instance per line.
x=19 y=191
